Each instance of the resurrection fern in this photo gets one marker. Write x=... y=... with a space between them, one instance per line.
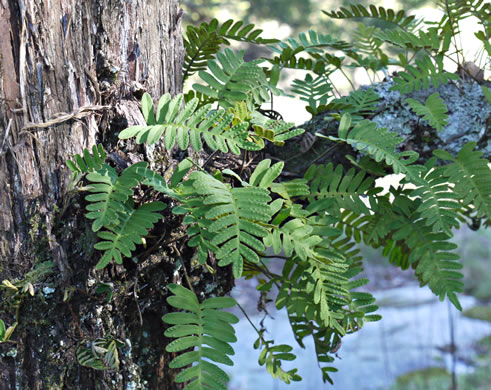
x=436 y=265
x=315 y=92
x=440 y=205
x=434 y=110
x=186 y=126
x=346 y=191
x=362 y=103
x=206 y=330
x=109 y=193
x=471 y=177
x=380 y=144
x=231 y=79
x=399 y=19
x=422 y=75
x=276 y=131
x=233 y=215
x=89 y=162
x=131 y=227
x=313 y=221
x=100 y=354
x=421 y=40
x=272 y=355
x=203 y=42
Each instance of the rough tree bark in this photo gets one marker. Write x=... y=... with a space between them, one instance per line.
x=71 y=74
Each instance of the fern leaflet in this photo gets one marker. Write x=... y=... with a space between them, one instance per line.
x=434 y=110
x=231 y=80
x=205 y=329
x=471 y=177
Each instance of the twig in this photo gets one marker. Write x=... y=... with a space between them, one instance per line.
x=63 y=117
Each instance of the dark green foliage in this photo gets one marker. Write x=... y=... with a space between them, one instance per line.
x=387 y=15
x=187 y=126
x=203 y=42
x=434 y=110
x=230 y=79
x=314 y=221
x=232 y=216
x=423 y=75
x=471 y=177
x=205 y=329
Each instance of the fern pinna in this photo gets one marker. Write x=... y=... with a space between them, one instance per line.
x=206 y=330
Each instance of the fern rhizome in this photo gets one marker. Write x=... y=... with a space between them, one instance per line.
x=315 y=220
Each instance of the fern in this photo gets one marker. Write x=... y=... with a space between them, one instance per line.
x=380 y=144
x=188 y=125
x=231 y=80
x=272 y=355
x=422 y=40
x=276 y=131
x=89 y=162
x=422 y=75
x=471 y=177
x=203 y=42
x=205 y=329
x=440 y=206
x=368 y=43
x=434 y=110
x=109 y=193
x=346 y=192
x=131 y=227
x=233 y=215
x=399 y=19
x=436 y=265
x=315 y=92
x=362 y=103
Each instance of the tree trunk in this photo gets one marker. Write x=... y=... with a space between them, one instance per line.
x=71 y=74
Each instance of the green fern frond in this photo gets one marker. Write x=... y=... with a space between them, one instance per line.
x=362 y=103
x=205 y=329
x=230 y=79
x=434 y=110
x=471 y=177
x=89 y=162
x=311 y=42
x=203 y=42
x=109 y=192
x=346 y=191
x=367 y=41
x=233 y=215
x=315 y=92
x=407 y=39
x=422 y=75
x=272 y=355
x=131 y=227
x=187 y=125
x=380 y=144
x=276 y=131
x=399 y=18
x=436 y=265
x=440 y=206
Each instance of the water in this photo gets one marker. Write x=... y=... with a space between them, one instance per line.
x=413 y=334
